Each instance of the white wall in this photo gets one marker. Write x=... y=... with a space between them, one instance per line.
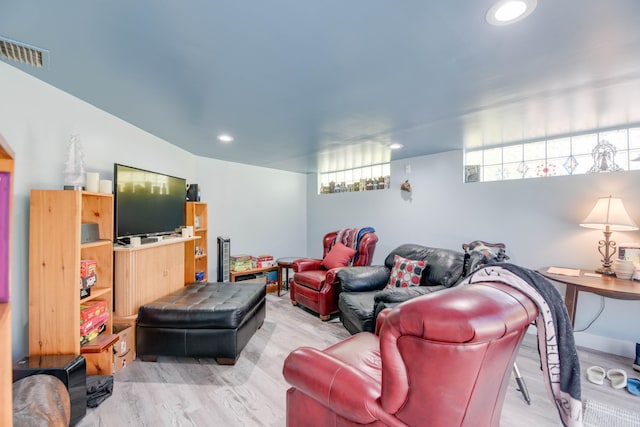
x=261 y=210
x=37 y=120
x=536 y=218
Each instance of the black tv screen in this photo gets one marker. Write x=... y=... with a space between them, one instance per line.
x=147 y=203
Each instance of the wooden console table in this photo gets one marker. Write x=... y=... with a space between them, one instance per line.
x=235 y=274
x=607 y=286
x=147 y=272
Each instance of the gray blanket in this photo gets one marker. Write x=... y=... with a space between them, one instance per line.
x=558 y=354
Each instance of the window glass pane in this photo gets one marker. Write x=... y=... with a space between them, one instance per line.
x=584 y=163
x=622 y=159
x=535 y=151
x=542 y=169
x=512 y=171
x=531 y=168
x=348 y=176
x=559 y=147
x=376 y=171
x=634 y=138
x=512 y=154
x=492 y=173
x=634 y=163
x=472 y=173
x=493 y=156
x=583 y=144
x=555 y=167
x=617 y=138
x=473 y=157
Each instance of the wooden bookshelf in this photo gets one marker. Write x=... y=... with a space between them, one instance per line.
x=55 y=251
x=196 y=253
x=6 y=215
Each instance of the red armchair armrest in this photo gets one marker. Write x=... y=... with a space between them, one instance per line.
x=345 y=390
x=381 y=318
x=307 y=264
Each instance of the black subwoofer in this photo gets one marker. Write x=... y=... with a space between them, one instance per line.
x=70 y=369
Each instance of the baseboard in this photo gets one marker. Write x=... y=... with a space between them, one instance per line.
x=597 y=342
x=606 y=344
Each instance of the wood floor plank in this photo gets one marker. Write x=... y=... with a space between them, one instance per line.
x=199 y=392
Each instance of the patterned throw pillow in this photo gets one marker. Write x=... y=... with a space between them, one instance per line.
x=405 y=272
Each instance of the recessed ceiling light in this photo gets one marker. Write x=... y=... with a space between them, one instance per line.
x=505 y=12
x=224 y=137
x=396 y=146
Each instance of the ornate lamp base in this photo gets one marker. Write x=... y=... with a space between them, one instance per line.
x=610 y=250
x=608 y=271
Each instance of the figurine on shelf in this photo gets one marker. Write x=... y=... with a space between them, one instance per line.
x=74 y=166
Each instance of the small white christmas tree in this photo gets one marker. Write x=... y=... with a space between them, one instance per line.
x=74 y=166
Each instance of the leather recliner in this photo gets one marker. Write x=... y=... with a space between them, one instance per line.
x=316 y=287
x=442 y=359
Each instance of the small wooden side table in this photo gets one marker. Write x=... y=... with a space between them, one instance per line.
x=284 y=264
x=235 y=274
x=607 y=286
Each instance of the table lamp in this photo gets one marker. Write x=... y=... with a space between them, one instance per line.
x=608 y=215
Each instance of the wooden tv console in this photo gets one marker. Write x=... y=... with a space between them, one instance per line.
x=145 y=273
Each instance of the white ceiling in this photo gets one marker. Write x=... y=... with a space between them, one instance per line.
x=306 y=84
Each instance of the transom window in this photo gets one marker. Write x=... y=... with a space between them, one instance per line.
x=609 y=151
x=366 y=178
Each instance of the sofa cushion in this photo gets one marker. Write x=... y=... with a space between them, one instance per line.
x=313 y=279
x=339 y=256
x=444 y=266
x=356 y=311
x=406 y=272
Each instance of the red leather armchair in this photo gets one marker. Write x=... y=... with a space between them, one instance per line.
x=316 y=287
x=442 y=359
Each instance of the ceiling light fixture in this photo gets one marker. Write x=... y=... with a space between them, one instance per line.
x=505 y=12
x=396 y=146
x=224 y=137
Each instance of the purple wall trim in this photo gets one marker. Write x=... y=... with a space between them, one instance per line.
x=5 y=204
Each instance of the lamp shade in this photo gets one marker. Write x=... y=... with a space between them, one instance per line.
x=609 y=211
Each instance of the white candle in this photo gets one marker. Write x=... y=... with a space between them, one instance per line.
x=105 y=186
x=93 y=179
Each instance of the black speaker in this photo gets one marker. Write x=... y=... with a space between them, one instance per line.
x=89 y=232
x=193 y=193
x=70 y=369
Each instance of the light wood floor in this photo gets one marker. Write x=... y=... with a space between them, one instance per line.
x=198 y=392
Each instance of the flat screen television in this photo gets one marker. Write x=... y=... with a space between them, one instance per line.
x=147 y=203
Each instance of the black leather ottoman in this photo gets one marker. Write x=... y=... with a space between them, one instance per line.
x=68 y=368
x=201 y=320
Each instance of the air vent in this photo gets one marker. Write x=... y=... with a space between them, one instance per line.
x=21 y=52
